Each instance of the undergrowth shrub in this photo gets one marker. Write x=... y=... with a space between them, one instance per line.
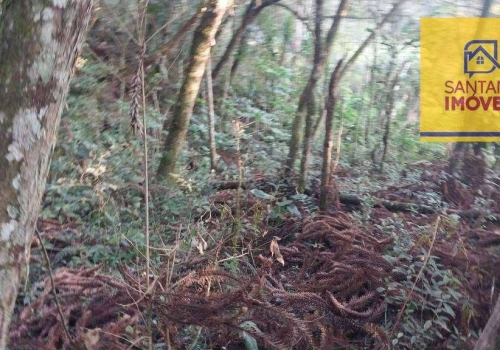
x=430 y=306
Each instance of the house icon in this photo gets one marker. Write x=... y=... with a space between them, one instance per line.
x=480 y=57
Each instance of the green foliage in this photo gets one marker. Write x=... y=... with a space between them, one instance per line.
x=430 y=305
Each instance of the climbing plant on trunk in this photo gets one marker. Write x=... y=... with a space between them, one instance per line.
x=39 y=45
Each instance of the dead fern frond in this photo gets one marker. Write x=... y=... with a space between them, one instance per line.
x=135 y=97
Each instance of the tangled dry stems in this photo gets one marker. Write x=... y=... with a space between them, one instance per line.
x=324 y=294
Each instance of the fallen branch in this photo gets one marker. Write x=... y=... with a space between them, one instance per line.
x=394 y=206
x=389 y=205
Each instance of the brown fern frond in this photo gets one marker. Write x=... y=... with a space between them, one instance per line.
x=136 y=97
x=378 y=333
x=345 y=311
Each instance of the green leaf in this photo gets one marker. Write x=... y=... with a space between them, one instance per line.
x=427 y=325
x=449 y=310
x=250 y=342
x=442 y=324
x=292 y=208
x=284 y=202
x=261 y=194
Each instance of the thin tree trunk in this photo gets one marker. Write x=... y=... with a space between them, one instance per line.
x=211 y=116
x=39 y=45
x=307 y=146
x=389 y=107
x=318 y=58
x=372 y=94
x=360 y=115
x=385 y=138
x=238 y=58
x=200 y=52
x=176 y=40
x=252 y=12
x=317 y=70
x=317 y=125
x=370 y=37
x=333 y=94
x=490 y=337
x=485 y=12
x=345 y=68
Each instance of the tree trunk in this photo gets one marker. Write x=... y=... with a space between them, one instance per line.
x=211 y=116
x=310 y=108
x=490 y=338
x=39 y=44
x=200 y=52
x=333 y=92
x=307 y=145
x=372 y=94
x=248 y=18
x=317 y=70
x=461 y=148
x=389 y=107
x=252 y=12
x=242 y=50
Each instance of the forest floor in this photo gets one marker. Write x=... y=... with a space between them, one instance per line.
x=407 y=266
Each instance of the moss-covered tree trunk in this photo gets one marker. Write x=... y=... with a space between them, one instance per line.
x=39 y=43
x=333 y=95
x=200 y=52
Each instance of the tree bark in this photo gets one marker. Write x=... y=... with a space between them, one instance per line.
x=333 y=92
x=200 y=52
x=307 y=145
x=211 y=116
x=39 y=44
x=490 y=337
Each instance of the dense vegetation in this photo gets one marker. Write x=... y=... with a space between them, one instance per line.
x=258 y=232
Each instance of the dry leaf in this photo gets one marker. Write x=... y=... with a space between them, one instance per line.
x=275 y=250
x=200 y=244
x=91 y=338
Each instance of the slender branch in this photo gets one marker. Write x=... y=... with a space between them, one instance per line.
x=53 y=287
x=372 y=35
x=174 y=42
x=296 y=14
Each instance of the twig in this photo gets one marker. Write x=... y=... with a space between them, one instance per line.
x=53 y=288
